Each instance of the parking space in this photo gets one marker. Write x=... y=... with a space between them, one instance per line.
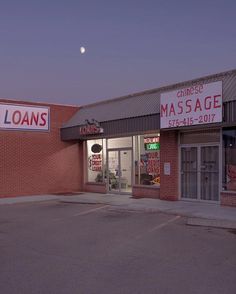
x=53 y=247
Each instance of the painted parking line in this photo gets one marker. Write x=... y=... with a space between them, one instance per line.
x=158 y=227
x=164 y=224
x=90 y=210
x=80 y=213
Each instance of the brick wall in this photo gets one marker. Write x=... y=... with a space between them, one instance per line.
x=169 y=154
x=228 y=198
x=145 y=192
x=95 y=187
x=39 y=162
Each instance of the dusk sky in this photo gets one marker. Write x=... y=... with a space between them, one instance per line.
x=131 y=46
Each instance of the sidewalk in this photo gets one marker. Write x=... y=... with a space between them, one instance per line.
x=25 y=199
x=198 y=213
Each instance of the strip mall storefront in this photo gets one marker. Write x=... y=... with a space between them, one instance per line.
x=179 y=143
x=173 y=143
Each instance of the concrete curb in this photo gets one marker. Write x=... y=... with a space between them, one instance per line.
x=224 y=224
x=197 y=214
x=27 y=199
x=193 y=218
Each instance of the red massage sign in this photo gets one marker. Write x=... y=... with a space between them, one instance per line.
x=199 y=104
x=24 y=117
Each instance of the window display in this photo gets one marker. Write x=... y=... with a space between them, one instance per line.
x=136 y=157
x=95 y=152
x=147 y=160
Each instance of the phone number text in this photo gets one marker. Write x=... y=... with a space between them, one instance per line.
x=202 y=119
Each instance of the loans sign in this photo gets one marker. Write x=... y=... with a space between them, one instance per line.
x=199 y=104
x=24 y=117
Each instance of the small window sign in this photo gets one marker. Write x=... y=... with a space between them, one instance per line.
x=167 y=168
x=96 y=148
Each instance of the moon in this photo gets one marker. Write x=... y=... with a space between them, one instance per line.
x=82 y=50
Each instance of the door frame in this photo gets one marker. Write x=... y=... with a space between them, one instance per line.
x=119 y=164
x=198 y=146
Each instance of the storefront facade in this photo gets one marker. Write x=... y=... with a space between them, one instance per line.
x=172 y=143
x=120 y=164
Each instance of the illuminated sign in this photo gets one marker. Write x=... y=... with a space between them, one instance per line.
x=199 y=104
x=152 y=146
x=152 y=143
x=91 y=128
x=17 y=117
x=151 y=140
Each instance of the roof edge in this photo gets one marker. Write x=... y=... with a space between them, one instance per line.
x=162 y=88
x=30 y=102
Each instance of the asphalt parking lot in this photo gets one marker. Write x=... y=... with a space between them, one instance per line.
x=52 y=247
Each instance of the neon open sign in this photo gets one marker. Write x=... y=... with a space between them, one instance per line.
x=152 y=146
x=152 y=143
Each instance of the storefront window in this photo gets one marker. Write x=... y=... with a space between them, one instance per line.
x=96 y=160
x=229 y=159
x=147 y=160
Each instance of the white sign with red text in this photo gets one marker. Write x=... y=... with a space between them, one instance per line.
x=24 y=117
x=199 y=104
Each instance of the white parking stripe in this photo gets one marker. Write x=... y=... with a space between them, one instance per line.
x=90 y=210
x=165 y=224
x=158 y=227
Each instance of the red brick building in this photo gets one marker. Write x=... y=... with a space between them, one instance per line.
x=37 y=162
x=175 y=143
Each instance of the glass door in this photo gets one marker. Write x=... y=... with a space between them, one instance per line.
x=120 y=170
x=200 y=173
x=113 y=170
x=125 y=171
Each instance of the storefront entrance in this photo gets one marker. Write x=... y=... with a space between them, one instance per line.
x=120 y=170
x=200 y=172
